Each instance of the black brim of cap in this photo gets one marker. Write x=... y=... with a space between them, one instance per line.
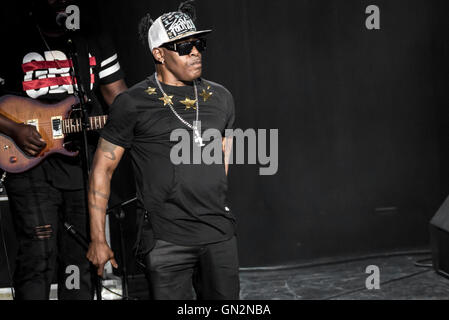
x=189 y=35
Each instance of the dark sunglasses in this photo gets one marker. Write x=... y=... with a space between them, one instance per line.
x=185 y=48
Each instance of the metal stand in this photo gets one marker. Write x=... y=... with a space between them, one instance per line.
x=119 y=214
x=82 y=108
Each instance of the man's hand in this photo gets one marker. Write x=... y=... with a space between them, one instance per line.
x=27 y=138
x=99 y=254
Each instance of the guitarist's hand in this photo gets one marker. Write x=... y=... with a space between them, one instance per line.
x=28 y=139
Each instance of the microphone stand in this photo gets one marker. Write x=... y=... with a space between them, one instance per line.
x=82 y=108
x=119 y=214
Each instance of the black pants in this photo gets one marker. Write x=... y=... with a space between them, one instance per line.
x=45 y=248
x=212 y=270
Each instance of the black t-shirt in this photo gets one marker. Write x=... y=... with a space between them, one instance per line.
x=40 y=69
x=187 y=202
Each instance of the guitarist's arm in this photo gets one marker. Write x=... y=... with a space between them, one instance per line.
x=111 y=90
x=25 y=136
x=106 y=159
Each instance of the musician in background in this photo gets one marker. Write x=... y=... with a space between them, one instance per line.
x=36 y=65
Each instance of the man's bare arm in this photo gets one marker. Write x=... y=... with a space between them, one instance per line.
x=106 y=159
x=227 y=147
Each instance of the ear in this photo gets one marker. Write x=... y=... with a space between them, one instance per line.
x=159 y=55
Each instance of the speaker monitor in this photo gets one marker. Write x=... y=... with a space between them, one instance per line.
x=439 y=237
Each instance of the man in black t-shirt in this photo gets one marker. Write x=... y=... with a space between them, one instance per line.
x=188 y=230
x=37 y=65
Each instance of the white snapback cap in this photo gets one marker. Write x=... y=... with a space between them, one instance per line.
x=171 y=27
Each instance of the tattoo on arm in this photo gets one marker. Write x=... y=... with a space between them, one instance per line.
x=108 y=147
x=96 y=208
x=100 y=194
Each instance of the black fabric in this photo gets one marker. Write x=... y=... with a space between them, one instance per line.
x=186 y=202
x=63 y=172
x=36 y=203
x=362 y=115
x=213 y=270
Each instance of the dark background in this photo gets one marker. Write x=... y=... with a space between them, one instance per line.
x=362 y=116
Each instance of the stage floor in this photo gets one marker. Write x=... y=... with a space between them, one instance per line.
x=330 y=279
x=326 y=279
x=339 y=278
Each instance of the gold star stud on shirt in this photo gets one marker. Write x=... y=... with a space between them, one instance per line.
x=206 y=95
x=189 y=103
x=167 y=100
x=151 y=91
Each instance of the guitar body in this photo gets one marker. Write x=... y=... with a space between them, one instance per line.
x=46 y=118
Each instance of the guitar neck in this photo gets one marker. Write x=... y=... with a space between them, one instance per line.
x=74 y=125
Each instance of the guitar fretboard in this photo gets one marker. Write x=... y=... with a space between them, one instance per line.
x=74 y=125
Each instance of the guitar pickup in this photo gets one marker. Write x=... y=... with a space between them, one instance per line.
x=56 y=126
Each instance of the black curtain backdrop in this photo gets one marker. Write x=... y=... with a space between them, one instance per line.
x=362 y=116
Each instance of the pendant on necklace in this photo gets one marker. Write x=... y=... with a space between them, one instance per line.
x=197 y=137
